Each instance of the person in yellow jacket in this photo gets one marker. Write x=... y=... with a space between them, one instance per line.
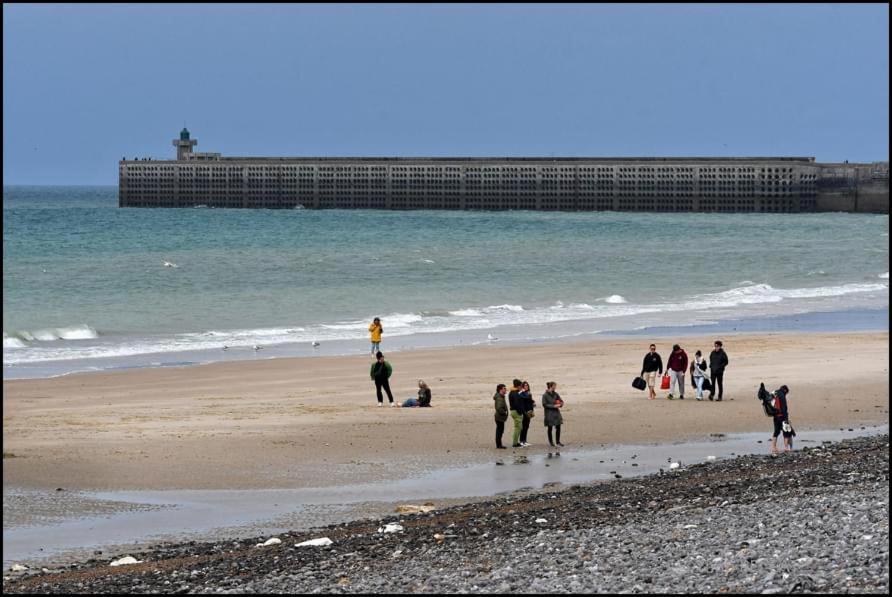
x=375 y=330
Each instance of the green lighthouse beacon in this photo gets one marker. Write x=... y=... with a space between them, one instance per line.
x=184 y=144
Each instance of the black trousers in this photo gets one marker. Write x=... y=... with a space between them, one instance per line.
x=557 y=433
x=383 y=383
x=500 y=430
x=524 y=428
x=716 y=380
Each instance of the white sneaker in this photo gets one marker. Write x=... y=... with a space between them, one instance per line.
x=392 y=404
x=380 y=404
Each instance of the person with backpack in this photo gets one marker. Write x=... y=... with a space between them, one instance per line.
x=501 y=414
x=697 y=377
x=676 y=367
x=718 y=360
x=781 y=420
x=380 y=374
x=652 y=365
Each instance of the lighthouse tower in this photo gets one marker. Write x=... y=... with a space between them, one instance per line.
x=184 y=144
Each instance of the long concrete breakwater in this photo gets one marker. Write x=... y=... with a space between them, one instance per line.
x=652 y=184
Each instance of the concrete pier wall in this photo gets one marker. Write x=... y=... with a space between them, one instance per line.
x=759 y=184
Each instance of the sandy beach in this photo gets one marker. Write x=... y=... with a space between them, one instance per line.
x=305 y=422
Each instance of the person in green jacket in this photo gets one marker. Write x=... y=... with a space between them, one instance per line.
x=380 y=373
x=501 y=413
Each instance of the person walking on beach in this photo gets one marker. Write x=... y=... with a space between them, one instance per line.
x=718 y=360
x=697 y=369
x=501 y=413
x=676 y=366
x=424 y=396
x=375 y=330
x=515 y=403
x=782 y=420
x=380 y=374
x=552 y=404
x=652 y=365
x=527 y=404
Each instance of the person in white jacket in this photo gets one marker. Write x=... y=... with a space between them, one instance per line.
x=698 y=367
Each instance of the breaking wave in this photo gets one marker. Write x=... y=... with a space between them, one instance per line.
x=29 y=347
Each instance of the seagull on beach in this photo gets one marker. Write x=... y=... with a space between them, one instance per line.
x=225 y=347
x=170 y=264
x=258 y=347
x=491 y=338
x=315 y=344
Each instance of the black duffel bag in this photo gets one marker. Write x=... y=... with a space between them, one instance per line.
x=638 y=383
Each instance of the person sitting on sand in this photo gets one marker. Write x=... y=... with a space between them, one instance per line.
x=424 y=396
x=552 y=404
x=782 y=420
x=501 y=413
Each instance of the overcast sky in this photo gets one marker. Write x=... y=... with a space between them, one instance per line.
x=84 y=86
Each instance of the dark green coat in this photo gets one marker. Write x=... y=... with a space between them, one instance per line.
x=501 y=408
x=553 y=416
x=387 y=367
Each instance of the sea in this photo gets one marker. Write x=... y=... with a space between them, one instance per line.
x=88 y=286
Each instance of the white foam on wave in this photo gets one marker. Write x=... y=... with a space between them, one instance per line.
x=884 y=275
x=12 y=341
x=406 y=324
x=481 y=311
x=77 y=332
x=615 y=299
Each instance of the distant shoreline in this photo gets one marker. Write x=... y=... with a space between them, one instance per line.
x=845 y=320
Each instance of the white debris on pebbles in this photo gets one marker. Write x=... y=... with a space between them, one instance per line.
x=391 y=528
x=321 y=542
x=270 y=541
x=125 y=561
x=701 y=529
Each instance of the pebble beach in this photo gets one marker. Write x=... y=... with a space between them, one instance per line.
x=814 y=520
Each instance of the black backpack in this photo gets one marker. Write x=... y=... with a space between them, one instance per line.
x=767 y=399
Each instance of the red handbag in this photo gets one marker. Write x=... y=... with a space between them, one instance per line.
x=664 y=383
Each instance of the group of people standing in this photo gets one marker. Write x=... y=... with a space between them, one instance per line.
x=521 y=407
x=678 y=365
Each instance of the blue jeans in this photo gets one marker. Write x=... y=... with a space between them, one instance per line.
x=376 y=346
x=411 y=402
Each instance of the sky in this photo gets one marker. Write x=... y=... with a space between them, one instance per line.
x=85 y=85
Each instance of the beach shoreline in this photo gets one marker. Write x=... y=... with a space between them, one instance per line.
x=311 y=422
x=558 y=332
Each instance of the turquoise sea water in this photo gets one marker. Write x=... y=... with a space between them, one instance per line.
x=85 y=285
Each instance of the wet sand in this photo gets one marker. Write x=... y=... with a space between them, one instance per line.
x=310 y=422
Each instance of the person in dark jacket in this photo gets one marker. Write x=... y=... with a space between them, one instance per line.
x=718 y=360
x=501 y=413
x=515 y=403
x=676 y=366
x=782 y=420
x=424 y=396
x=527 y=404
x=652 y=365
x=380 y=374
x=552 y=404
